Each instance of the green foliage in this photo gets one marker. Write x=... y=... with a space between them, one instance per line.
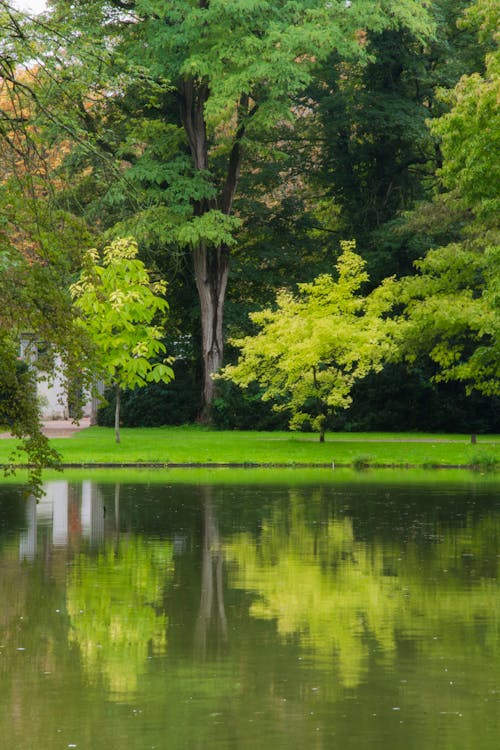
x=302 y=97
x=397 y=399
x=200 y=91
x=378 y=157
x=453 y=314
x=155 y=404
x=213 y=227
x=118 y=303
x=316 y=345
x=470 y=132
x=485 y=461
x=403 y=398
x=236 y=408
x=453 y=303
x=265 y=50
x=40 y=245
x=19 y=414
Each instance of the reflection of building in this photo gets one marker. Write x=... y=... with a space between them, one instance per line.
x=92 y=513
x=66 y=514
x=27 y=539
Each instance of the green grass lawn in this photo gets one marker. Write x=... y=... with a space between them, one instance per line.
x=196 y=445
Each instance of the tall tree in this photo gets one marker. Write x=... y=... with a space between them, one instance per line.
x=232 y=71
x=453 y=303
x=39 y=246
x=379 y=157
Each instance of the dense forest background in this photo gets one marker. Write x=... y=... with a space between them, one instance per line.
x=239 y=144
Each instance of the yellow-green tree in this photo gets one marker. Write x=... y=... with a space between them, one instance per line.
x=316 y=344
x=118 y=302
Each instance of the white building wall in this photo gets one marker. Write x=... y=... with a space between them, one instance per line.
x=50 y=386
x=52 y=397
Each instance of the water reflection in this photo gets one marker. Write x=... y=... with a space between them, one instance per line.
x=212 y=609
x=66 y=514
x=345 y=600
x=28 y=538
x=113 y=602
x=321 y=616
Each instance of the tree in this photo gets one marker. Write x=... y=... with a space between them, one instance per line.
x=453 y=315
x=224 y=75
x=19 y=412
x=453 y=303
x=378 y=157
x=118 y=303
x=39 y=249
x=311 y=350
x=469 y=133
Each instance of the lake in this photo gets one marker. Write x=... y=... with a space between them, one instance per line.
x=167 y=610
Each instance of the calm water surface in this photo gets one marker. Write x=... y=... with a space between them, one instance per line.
x=335 y=615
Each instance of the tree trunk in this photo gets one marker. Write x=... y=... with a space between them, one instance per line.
x=211 y=266
x=117 y=413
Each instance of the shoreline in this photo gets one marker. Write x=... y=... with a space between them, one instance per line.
x=248 y=465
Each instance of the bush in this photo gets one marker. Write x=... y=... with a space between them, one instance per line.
x=400 y=400
x=235 y=408
x=393 y=400
x=156 y=404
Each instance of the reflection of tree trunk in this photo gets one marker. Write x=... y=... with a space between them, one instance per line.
x=117 y=512
x=211 y=580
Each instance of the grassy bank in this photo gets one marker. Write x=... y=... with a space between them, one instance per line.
x=199 y=446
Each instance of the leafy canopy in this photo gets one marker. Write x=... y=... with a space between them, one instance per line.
x=211 y=78
x=470 y=131
x=453 y=303
x=40 y=246
x=118 y=303
x=452 y=313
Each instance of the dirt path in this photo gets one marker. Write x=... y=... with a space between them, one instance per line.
x=58 y=428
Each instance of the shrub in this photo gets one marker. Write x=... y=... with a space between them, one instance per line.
x=156 y=404
x=235 y=408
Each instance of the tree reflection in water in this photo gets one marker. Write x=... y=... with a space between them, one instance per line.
x=342 y=603
x=345 y=599
x=114 y=602
x=211 y=610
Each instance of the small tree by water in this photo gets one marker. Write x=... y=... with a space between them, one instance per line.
x=316 y=344
x=120 y=307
